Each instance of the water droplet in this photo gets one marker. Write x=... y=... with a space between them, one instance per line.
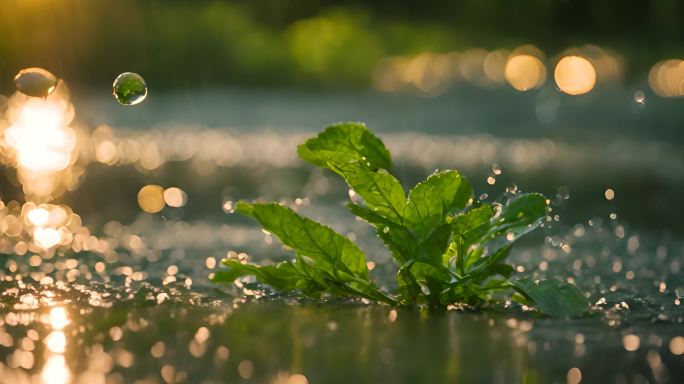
x=228 y=206
x=512 y=188
x=496 y=169
x=563 y=192
x=483 y=197
x=129 y=88
x=385 y=230
x=609 y=194
x=35 y=82
x=640 y=97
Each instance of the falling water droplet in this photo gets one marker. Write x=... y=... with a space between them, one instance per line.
x=563 y=192
x=640 y=97
x=129 y=88
x=512 y=188
x=35 y=82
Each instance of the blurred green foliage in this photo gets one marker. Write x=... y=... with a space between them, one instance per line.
x=179 y=43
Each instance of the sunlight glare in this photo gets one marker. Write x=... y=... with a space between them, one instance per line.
x=58 y=318
x=46 y=238
x=56 y=342
x=40 y=137
x=55 y=371
x=39 y=217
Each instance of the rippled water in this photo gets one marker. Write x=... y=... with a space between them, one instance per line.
x=130 y=301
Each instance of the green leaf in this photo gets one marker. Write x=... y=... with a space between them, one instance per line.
x=431 y=201
x=283 y=276
x=519 y=215
x=353 y=139
x=485 y=267
x=448 y=250
x=467 y=229
x=482 y=239
x=400 y=242
x=424 y=279
x=324 y=246
x=434 y=247
x=324 y=257
x=472 y=225
x=553 y=297
x=381 y=191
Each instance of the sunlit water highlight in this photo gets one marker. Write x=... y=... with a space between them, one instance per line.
x=40 y=143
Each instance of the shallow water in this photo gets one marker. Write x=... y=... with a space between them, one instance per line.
x=140 y=308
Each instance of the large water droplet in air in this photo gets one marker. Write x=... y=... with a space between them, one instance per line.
x=35 y=82
x=129 y=88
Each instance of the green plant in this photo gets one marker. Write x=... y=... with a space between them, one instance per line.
x=451 y=248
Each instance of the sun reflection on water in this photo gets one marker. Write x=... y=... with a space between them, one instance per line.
x=56 y=342
x=58 y=318
x=37 y=139
x=40 y=136
x=55 y=371
x=40 y=143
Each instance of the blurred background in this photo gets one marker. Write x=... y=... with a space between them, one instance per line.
x=595 y=86
x=178 y=44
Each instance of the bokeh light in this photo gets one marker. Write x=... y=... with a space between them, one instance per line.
x=175 y=197
x=58 y=318
x=56 y=342
x=151 y=198
x=46 y=238
x=524 y=72
x=494 y=66
x=55 y=371
x=472 y=66
x=39 y=216
x=575 y=75
x=666 y=78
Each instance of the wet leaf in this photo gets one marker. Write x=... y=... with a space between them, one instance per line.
x=353 y=139
x=283 y=276
x=325 y=258
x=380 y=191
x=324 y=246
x=431 y=201
x=553 y=297
x=449 y=250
